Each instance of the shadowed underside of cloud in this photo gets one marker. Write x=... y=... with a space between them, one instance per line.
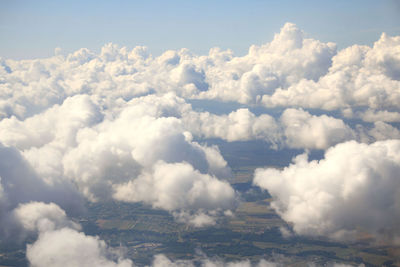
x=20 y=184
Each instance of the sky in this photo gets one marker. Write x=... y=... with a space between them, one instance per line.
x=32 y=29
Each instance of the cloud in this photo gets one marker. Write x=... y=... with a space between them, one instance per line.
x=117 y=153
x=20 y=185
x=68 y=247
x=354 y=188
x=48 y=145
x=295 y=128
x=42 y=217
x=161 y=260
x=177 y=185
x=286 y=60
x=303 y=130
x=383 y=131
x=238 y=125
x=101 y=151
x=45 y=137
x=104 y=121
x=289 y=71
x=120 y=149
x=360 y=76
x=60 y=243
x=378 y=115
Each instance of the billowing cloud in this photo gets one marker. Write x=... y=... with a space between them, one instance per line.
x=238 y=125
x=295 y=128
x=290 y=71
x=133 y=143
x=107 y=152
x=383 y=131
x=360 y=76
x=179 y=187
x=356 y=187
x=303 y=130
x=20 y=185
x=59 y=242
x=376 y=115
x=142 y=150
x=286 y=60
x=44 y=138
x=42 y=217
x=68 y=247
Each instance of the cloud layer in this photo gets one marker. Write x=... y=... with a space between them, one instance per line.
x=118 y=125
x=290 y=71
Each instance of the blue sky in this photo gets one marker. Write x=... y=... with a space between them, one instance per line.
x=30 y=29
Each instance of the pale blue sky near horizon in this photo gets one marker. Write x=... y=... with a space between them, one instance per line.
x=32 y=29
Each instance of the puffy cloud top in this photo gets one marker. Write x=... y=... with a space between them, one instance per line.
x=105 y=152
x=67 y=247
x=290 y=71
x=314 y=132
x=38 y=216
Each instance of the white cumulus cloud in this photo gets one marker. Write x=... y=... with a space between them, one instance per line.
x=356 y=187
x=68 y=247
